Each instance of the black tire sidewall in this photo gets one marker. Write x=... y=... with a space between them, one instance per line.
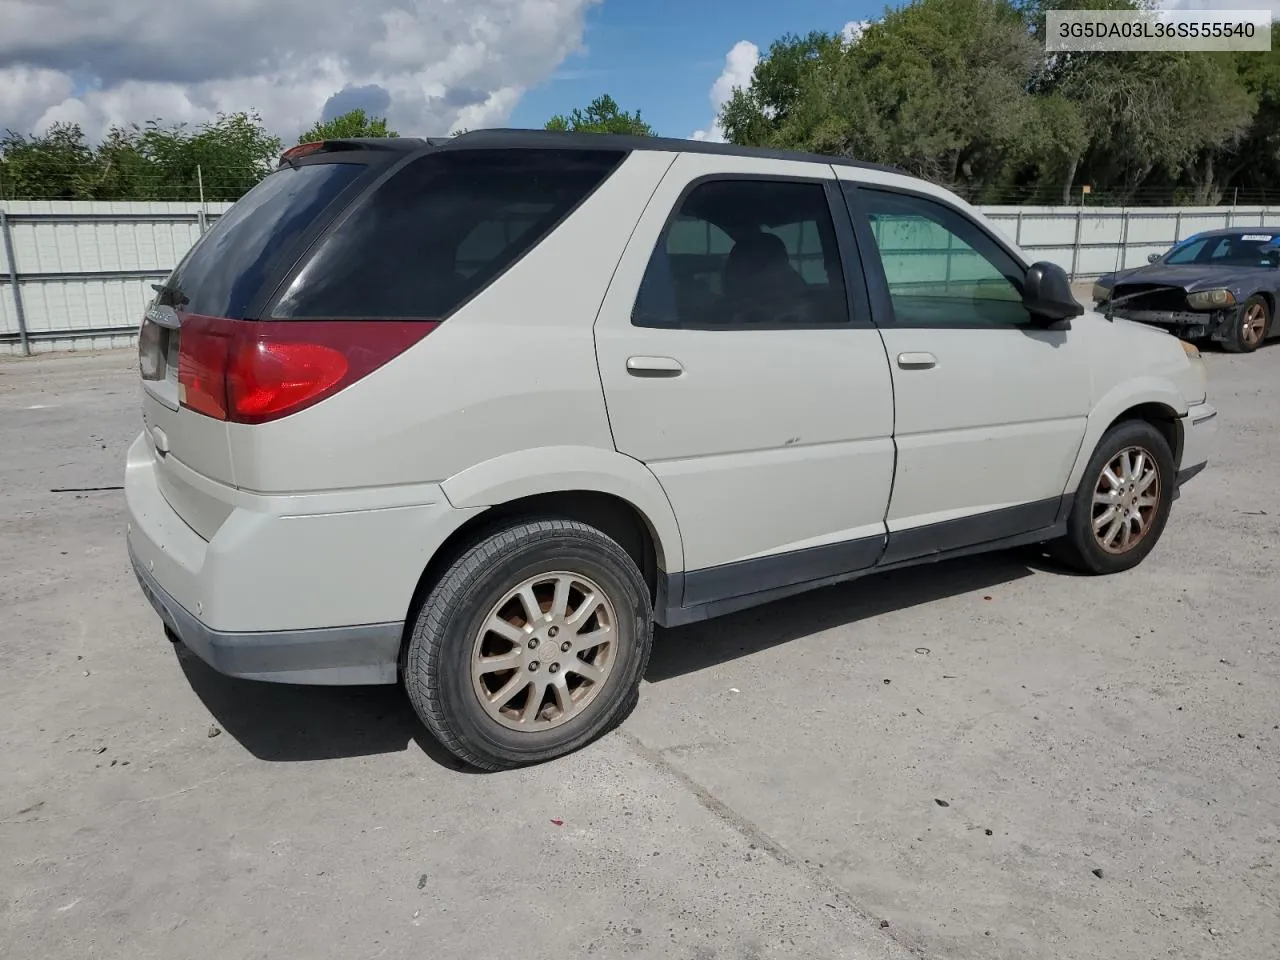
x=1236 y=342
x=1088 y=553
x=444 y=660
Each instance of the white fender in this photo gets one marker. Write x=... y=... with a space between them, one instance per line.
x=560 y=469
x=1125 y=396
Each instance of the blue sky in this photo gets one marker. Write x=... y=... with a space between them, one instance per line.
x=429 y=66
x=663 y=56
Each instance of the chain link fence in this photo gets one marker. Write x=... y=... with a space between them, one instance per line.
x=109 y=182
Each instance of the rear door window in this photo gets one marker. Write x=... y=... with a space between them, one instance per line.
x=440 y=230
x=743 y=253
x=225 y=271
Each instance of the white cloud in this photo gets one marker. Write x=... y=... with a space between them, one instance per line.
x=738 y=66
x=25 y=92
x=853 y=30
x=437 y=64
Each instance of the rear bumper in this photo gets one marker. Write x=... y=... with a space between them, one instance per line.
x=346 y=655
x=301 y=588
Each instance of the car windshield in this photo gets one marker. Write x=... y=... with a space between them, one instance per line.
x=1229 y=250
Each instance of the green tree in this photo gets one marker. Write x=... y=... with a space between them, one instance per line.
x=962 y=92
x=753 y=116
x=57 y=165
x=602 y=115
x=1253 y=163
x=938 y=87
x=1151 y=118
x=229 y=154
x=155 y=161
x=354 y=124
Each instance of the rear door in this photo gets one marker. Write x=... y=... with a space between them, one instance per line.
x=740 y=365
x=224 y=275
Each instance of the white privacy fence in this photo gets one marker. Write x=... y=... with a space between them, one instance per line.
x=1089 y=241
x=78 y=274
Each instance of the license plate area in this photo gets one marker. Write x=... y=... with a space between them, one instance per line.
x=158 y=352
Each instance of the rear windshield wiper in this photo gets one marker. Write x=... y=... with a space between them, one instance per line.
x=176 y=297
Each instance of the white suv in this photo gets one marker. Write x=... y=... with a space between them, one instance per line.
x=479 y=412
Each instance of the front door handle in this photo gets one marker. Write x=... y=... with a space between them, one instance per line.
x=917 y=361
x=654 y=367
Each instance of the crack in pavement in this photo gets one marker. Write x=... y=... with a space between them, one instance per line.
x=745 y=828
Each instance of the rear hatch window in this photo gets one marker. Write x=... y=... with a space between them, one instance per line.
x=440 y=230
x=226 y=270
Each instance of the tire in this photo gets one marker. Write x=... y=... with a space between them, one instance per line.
x=573 y=710
x=1084 y=550
x=1250 y=327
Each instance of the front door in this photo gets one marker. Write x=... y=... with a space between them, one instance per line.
x=743 y=370
x=990 y=405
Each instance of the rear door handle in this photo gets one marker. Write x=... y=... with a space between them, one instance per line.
x=917 y=361
x=654 y=367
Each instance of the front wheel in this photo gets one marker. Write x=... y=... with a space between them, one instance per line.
x=1250 y=327
x=531 y=644
x=1123 y=501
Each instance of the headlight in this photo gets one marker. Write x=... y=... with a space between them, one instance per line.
x=1100 y=293
x=1190 y=349
x=1210 y=299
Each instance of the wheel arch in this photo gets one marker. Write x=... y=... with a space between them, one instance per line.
x=1163 y=418
x=608 y=513
x=568 y=472
x=1156 y=403
x=609 y=491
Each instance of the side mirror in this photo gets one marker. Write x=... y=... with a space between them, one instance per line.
x=1152 y=257
x=1047 y=294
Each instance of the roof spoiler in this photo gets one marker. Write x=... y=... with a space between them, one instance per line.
x=293 y=154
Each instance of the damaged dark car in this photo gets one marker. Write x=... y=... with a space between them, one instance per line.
x=1220 y=286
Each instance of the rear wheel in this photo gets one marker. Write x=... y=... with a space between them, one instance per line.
x=1123 y=501
x=531 y=645
x=1250 y=327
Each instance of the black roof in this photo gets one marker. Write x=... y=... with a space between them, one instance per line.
x=499 y=138
x=555 y=139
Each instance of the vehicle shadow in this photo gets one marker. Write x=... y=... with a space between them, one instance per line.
x=683 y=650
x=283 y=723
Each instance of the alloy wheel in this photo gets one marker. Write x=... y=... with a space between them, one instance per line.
x=1253 y=325
x=544 y=651
x=1126 y=500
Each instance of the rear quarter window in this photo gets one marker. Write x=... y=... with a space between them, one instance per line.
x=439 y=230
x=225 y=271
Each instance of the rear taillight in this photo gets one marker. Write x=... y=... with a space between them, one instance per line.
x=248 y=371
x=269 y=379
